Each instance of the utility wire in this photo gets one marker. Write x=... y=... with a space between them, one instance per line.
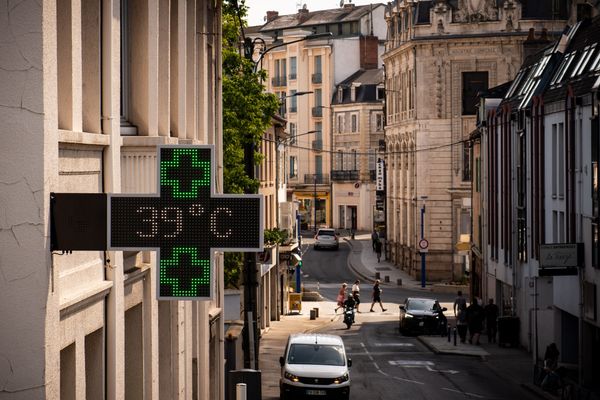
x=424 y=149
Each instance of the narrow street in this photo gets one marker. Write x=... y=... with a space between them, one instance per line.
x=386 y=364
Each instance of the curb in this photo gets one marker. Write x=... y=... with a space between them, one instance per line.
x=449 y=353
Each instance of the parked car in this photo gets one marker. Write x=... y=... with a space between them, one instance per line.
x=315 y=365
x=326 y=238
x=422 y=316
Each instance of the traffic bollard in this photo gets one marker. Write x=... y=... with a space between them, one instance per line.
x=455 y=336
x=449 y=333
x=240 y=391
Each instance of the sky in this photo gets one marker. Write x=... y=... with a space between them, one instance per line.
x=257 y=9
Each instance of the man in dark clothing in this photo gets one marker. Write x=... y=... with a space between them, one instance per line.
x=475 y=321
x=491 y=320
x=378 y=249
x=374 y=238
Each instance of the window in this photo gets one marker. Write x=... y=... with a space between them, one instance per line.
x=554 y=163
x=340 y=122
x=595 y=156
x=379 y=122
x=340 y=95
x=282 y=99
x=339 y=160
x=380 y=93
x=354 y=160
x=293 y=132
x=318 y=100
x=472 y=84
x=560 y=155
x=293 y=101
x=319 y=133
x=319 y=167
x=317 y=64
x=293 y=167
x=466 y=175
x=354 y=119
x=293 y=68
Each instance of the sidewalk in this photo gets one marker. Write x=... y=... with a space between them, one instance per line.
x=514 y=365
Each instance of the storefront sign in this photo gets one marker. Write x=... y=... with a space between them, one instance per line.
x=560 y=258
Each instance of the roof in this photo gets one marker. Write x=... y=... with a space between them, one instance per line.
x=310 y=18
x=365 y=83
x=319 y=338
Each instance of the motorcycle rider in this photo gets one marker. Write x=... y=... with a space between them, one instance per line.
x=349 y=304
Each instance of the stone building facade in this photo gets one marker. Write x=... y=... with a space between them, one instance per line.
x=439 y=55
x=88 y=89
x=303 y=74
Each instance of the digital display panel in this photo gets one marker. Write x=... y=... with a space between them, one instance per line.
x=185 y=222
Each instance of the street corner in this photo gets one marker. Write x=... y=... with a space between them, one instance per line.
x=441 y=345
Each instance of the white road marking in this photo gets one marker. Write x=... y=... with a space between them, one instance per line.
x=384 y=373
x=428 y=365
x=478 y=396
x=393 y=344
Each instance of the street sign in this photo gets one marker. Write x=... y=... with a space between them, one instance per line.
x=185 y=222
x=423 y=246
x=380 y=175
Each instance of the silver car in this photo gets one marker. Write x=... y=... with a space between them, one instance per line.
x=326 y=238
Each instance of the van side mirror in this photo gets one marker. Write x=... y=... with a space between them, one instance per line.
x=444 y=309
x=349 y=362
x=281 y=361
x=402 y=307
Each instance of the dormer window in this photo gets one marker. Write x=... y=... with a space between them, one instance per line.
x=340 y=95
x=353 y=93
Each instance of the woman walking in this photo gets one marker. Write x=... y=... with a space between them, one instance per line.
x=341 y=297
x=356 y=293
x=377 y=296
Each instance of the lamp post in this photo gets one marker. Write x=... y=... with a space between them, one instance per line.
x=423 y=237
x=250 y=332
x=315 y=202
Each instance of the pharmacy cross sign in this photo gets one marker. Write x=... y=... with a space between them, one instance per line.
x=185 y=222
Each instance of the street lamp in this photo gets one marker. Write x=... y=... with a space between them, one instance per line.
x=424 y=198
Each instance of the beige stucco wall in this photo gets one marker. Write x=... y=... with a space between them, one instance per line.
x=86 y=325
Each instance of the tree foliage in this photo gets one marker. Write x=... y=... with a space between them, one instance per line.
x=247 y=113
x=247 y=108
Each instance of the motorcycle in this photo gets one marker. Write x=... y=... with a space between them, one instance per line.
x=348 y=316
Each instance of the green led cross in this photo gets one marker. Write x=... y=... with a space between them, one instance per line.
x=184 y=271
x=175 y=183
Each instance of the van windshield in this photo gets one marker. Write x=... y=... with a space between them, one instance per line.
x=316 y=354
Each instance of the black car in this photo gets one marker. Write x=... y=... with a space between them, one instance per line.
x=422 y=316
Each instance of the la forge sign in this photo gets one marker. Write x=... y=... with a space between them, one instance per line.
x=185 y=222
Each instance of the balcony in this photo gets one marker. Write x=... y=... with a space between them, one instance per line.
x=292 y=77
x=279 y=81
x=317 y=78
x=317 y=145
x=319 y=179
x=343 y=175
x=317 y=111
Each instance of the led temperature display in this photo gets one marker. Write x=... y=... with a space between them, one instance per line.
x=185 y=222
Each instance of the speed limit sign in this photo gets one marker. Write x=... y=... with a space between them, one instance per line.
x=423 y=244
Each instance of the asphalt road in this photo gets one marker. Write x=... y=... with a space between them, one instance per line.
x=387 y=365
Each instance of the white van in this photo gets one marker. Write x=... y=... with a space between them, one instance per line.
x=315 y=365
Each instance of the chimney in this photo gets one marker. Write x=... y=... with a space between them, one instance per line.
x=369 y=49
x=533 y=44
x=271 y=15
x=303 y=13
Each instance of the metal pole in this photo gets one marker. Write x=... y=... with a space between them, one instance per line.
x=422 y=252
x=315 y=203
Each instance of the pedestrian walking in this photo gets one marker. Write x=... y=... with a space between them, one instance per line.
x=378 y=249
x=356 y=293
x=461 y=324
x=460 y=303
x=341 y=297
x=377 y=296
x=475 y=317
x=374 y=238
x=491 y=320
